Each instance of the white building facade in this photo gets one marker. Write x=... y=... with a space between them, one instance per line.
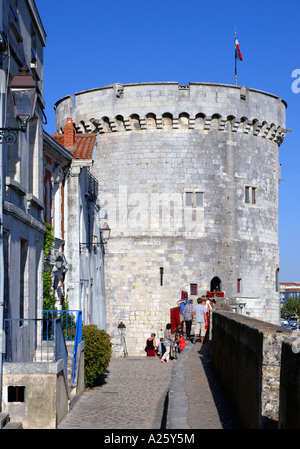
x=83 y=244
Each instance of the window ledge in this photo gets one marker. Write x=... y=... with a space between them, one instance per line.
x=14 y=185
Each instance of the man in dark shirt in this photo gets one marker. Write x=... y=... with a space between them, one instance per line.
x=182 y=303
x=188 y=318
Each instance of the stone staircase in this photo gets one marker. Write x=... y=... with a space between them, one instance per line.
x=5 y=422
x=46 y=354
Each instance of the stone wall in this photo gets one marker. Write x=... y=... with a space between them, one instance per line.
x=160 y=146
x=45 y=394
x=249 y=361
x=289 y=415
x=47 y=397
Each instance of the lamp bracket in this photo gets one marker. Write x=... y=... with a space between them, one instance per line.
x=9 y=135
x=91 y=245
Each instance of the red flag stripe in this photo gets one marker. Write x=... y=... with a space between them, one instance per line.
x=237 y=47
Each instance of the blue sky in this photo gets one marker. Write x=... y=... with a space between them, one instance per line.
x=93 y=43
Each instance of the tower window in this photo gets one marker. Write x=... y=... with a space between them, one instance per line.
x=161 y=270
x=250 y=195
x=239 y=285
x=277 y=286
x=193 y=199
x=193 y=289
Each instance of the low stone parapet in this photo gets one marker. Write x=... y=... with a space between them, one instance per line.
x=246 y=354
x=289 y=413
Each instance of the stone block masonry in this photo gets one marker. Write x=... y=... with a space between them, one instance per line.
x=247 y=357
x=188 y=176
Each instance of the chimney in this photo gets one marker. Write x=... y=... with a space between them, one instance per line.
x=69 y=134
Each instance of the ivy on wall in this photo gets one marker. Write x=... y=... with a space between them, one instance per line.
x=48 y=293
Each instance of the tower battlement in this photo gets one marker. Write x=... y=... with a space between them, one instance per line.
x=201 y=106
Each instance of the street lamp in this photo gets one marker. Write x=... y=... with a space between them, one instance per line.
x=23 y=94
x=59 y=262
x=105 y=231
x=121 y=328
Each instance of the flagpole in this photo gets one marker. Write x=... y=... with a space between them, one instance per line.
x=235 y=72
x=235 y=57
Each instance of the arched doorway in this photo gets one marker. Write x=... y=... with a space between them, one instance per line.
x=215 y=284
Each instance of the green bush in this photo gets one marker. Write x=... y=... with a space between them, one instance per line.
x=97 y=353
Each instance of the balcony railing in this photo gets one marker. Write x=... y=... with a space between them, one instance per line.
x=93 y=187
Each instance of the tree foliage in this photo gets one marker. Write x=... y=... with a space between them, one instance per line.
x=291 y=308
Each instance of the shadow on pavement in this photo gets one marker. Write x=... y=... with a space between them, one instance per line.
x=225 y=411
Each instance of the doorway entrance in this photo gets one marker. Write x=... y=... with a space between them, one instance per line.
x=215 y=284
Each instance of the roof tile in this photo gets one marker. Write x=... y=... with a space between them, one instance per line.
x=83 y=147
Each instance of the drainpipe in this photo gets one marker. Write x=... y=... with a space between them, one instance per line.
x=2 y=125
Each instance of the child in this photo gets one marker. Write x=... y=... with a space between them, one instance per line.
x=176 y=345
x=181 y=342
x=161 y=348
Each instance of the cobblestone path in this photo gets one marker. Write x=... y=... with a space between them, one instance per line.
x=131 y=397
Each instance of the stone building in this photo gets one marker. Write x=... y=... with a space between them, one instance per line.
x=289 y=290
x=22 y=42
x=83 y=243
x=57 y=163
x=189 y=179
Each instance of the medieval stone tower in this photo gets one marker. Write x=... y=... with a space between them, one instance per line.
x=188 y=176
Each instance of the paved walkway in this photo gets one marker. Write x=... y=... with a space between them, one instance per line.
x=131 y=397
x=143 y=393
x=196 y=399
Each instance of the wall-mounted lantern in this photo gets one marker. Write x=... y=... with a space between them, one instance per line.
x=23 y=94
x=105 y=234
x=105 y=231
x=59 y=262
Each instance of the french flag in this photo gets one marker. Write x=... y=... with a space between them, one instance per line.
x=238 y=53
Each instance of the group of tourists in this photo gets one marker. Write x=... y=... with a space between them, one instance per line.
x=168 y=348
x=198 y=315
x=171 y=345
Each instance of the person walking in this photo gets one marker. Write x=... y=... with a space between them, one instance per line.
x=210 y=302
x=188 y=318
x=168 y=340
x=182 y=304
x=200 y=317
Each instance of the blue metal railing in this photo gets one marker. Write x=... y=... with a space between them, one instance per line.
x=68 y=318
x=78 y=339
x=72 y=327
x=61 y=351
